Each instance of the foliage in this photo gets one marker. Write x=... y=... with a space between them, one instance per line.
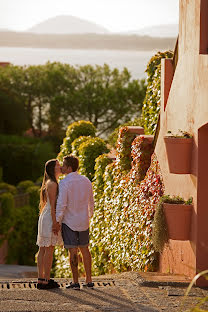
x=151 y=106
x=77 y=142
x=199 y=305
x=7 y=215
x=13 y=114
x=16 y=139
x=101 y=163
x=1 y=174
x=113 y=137
x=121 y=228
x=32 y=155
x=88 y=152
x=53 y=95
x=122 y=223
x=160 y=230
x=123 y=158
x=34 y=196
x=22 y=239
x=8 y=188
x=182 y=134
x=39 y=180
x=74 y=131
x=24 y=185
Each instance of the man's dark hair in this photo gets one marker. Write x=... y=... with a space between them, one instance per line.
x=72 y=161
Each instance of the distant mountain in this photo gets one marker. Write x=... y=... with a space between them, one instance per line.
x=164 y=31
x=85 y=41
x=67 y=25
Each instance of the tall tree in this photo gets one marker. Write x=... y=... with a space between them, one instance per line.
x=56 y=94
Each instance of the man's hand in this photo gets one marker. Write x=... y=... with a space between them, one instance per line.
x=56 y=228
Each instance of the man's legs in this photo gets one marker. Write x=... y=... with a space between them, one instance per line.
x=87 y=263
x=73 y=258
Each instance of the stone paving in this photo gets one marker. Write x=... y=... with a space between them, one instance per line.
x=125 y=292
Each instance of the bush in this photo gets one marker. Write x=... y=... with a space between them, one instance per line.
x=34 y=196
x=24 y=161
x=39 y=181
x=22 y=240
x=8 y=188
x=74 y=131
x=7 y=214
x=88 y=152
x=77 y=142
x=24 y=185
x=1 y=174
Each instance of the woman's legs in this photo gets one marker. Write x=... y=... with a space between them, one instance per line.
x=40 y=262
x=44 y=262
x=48 y=260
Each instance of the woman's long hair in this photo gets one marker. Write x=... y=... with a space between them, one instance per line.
x=49 y=174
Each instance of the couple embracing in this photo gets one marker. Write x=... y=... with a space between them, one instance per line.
x=65 y=211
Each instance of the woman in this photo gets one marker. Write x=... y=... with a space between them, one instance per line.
x=49 y=234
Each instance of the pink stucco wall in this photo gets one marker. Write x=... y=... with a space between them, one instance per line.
x=187 y=109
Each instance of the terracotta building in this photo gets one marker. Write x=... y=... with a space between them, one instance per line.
x=184 y=105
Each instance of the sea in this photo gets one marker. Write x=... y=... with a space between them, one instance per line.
x=135 y=61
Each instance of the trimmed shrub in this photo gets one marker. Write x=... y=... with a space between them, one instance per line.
x=74 y=131
x=88 y=152
x=39 y=181
x=7 y=214
x=24 y=161
x=24 y=185
x=1 y=174
x=22 y=240
x=77 y=142
x=34 y=195
x=8 y=188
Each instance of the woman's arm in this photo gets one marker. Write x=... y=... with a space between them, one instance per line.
x=52 y=189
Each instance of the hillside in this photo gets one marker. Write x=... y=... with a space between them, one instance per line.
x=67 y=25
x=85 y=41
x=163 y=31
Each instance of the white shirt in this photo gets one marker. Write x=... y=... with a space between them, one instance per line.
x=75 y=202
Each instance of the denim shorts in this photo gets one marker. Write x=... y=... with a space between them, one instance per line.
x=74 y=239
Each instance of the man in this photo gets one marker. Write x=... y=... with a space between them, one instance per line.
x=74 y=208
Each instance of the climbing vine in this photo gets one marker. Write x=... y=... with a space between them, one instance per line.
x=151 y=105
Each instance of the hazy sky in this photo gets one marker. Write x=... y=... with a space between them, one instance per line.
x=115 y=15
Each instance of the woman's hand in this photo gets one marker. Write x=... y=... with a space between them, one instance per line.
x=56 y=228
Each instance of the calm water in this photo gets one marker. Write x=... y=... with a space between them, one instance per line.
x=135 y=61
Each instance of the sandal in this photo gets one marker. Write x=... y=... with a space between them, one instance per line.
x=50 y=284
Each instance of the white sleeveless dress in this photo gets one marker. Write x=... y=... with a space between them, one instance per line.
x=45 y=236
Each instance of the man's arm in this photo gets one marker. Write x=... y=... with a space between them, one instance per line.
x=61 y=201
x=91 y=202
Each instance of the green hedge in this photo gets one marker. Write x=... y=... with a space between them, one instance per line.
x=24 y=185
x=74 y=131
x=7 y=214
x=1 y=174
x=88 y=152
x=24 y=161
x=34 y=196
x=77 y=142
x=22 y=240
x=6 y=187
